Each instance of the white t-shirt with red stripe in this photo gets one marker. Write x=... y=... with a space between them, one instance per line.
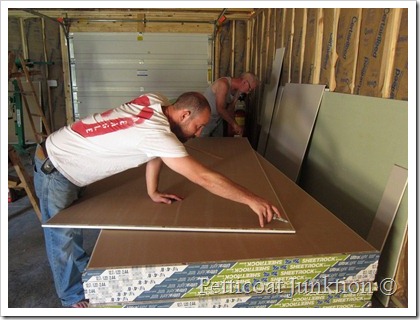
x=104 y=144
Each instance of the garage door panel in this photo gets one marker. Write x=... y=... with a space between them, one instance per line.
x=167 y=44
x=130 y=36
x=142 y=77
x=117 y=62
x=112 y=68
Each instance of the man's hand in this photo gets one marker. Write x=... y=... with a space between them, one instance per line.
x=152 y=181
x=164 y=197
x=239 y=130
x=264 y=210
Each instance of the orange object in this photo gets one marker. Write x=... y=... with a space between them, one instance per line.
x=240 y=120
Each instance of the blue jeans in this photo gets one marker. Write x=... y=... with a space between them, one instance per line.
x=64 y=246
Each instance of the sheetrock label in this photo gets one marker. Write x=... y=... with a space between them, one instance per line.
x=304 y=300
x=276 y=276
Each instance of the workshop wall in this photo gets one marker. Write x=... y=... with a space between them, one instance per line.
x=354 y=51
x=357 y=52
x=38 y=40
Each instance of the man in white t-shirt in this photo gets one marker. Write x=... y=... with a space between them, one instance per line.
x=146 y=130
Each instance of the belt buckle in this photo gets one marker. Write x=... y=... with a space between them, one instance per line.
x=47 y=167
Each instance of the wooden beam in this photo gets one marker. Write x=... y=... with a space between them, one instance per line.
x=26 y=180
x=204 y=15
x=388 y=57
x=66 y=78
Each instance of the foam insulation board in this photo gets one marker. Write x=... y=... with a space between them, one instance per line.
x=121 y=201
x=166 y=268
x=293 y=120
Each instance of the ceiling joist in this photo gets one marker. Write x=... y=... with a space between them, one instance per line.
x=152 y=15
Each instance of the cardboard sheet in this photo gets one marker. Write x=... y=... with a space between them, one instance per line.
x=291 y=128
x=121 y=201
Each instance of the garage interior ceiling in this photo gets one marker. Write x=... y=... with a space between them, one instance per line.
x=150 y=15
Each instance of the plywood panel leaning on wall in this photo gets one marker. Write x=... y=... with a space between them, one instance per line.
x=347 y=48
x=329 y=55
x=399 y=75
x=312 y=52
x=375 y=50
x=298 y=45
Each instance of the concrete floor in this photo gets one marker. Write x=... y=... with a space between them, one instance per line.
x=30 y=282
x=29 y=275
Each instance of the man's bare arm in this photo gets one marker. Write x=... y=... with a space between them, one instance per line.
x=222 y=186
x=226 y=111
x=152 y=182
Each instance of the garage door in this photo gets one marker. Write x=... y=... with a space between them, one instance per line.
x=109 y=69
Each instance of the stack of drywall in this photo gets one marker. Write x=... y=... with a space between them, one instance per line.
x=335 y=280
x=161 y=268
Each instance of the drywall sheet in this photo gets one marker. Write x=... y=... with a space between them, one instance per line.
x=355 y=143
x=291 y=129
x=391 y=253
x=388 y=207
x=152 y=266
x=205 y=280
x=319 y=298
x=269 y=98
x=121 y=201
